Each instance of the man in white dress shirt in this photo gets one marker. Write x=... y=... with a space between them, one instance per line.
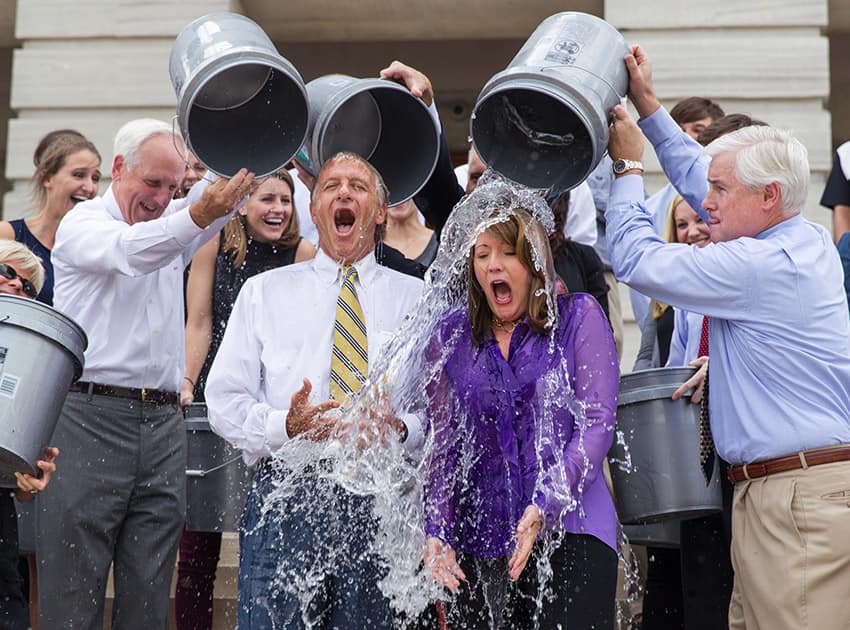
x=270 y=386
x=120 y=497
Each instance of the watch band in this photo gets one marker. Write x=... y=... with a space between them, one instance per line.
x=621 y=166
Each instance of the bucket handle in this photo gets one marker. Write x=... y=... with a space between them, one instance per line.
x=196 y=472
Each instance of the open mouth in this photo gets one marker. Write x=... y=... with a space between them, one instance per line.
x=147 y=208
x=344 y=221
x=273 y=221
x=79 y=198
x=501 y=292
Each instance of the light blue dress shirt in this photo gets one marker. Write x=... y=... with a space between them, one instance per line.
x=779 y=333
x=684 y=343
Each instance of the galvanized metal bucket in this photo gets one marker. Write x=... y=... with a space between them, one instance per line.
x=662 y=437
x=41 y=354
x=543 y=121
x=217 y=479
x=377 y=119
x=239 y=102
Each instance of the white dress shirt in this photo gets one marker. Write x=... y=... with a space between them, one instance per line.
x=124 y=285
x=281 y=331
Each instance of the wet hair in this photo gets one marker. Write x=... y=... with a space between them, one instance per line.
x=235 y=238
x=724 y=125
x=695 y=108
x=347 y=156
x=17 y=254
x=50 y=156
x=515 y=232
x=764 y=155
x=133 y=135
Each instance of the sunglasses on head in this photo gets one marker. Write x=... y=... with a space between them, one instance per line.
x=8 y=272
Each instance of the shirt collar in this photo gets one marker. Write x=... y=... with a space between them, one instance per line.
x=789 y=223
x=330 y=271
x=112 y=205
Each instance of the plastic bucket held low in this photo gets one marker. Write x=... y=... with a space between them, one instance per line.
x=662 y=436
x=239 y=102
x=41 y=354
x=217 y=479
x=377 y=119
x=543 y=121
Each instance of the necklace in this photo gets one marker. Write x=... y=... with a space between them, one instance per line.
x=507 y=326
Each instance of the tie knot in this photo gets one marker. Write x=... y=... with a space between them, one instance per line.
x=349 y=273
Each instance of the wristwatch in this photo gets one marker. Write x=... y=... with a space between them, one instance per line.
x=621 y=166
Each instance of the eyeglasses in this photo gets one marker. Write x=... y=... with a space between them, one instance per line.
x=8 y=272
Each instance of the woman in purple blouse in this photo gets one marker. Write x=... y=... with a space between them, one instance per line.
x=522 y=413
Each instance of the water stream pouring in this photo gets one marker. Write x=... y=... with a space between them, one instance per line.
x=377 y=119
x=239 y=102
x=543 y=121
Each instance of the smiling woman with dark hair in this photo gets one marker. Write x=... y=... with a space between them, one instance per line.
x=522 y=414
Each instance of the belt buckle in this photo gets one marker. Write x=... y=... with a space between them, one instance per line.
x=144 y=394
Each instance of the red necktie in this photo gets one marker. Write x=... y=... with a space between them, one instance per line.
x=706 y=443
x=703 y=338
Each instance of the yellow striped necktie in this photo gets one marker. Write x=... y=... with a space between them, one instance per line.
x=350 y=360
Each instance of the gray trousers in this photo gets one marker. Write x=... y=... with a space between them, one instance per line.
x=118 y=497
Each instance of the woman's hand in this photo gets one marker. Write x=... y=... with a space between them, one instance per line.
x=526 y=535
x=187 y=392
x=29 y=486
x=440 y=558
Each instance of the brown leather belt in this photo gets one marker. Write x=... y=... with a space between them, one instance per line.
x=803 y=459
x=154 y=396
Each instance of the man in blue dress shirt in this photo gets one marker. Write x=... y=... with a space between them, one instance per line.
x=779 y=345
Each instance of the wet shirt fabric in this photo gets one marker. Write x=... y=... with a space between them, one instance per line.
x=509 y=433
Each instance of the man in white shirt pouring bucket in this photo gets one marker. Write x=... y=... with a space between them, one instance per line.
x=120 y=499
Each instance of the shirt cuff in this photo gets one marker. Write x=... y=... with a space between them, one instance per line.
x=625 y=190
x=276 y=435
x=659 y=126
x=415 y=434
x=183 y=228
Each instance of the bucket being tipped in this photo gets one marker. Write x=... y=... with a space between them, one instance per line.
x=543 y=121
x=41 y=354
x=376 y=119
x=239 y=102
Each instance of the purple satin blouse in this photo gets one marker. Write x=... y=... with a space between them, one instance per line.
x=532 y=429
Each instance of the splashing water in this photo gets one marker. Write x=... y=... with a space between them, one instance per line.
x=364 y=474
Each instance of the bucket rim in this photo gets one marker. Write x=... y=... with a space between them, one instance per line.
x=77 y=351
x=545 y=87
x=354 y=87
x=226 y=61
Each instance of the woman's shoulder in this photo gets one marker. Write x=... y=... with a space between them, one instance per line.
x=578 y=305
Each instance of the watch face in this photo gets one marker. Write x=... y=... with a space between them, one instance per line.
x=619 y=166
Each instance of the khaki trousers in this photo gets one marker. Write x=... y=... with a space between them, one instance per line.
x=791 y=550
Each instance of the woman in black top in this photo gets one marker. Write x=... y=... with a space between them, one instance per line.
x=263 y=235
